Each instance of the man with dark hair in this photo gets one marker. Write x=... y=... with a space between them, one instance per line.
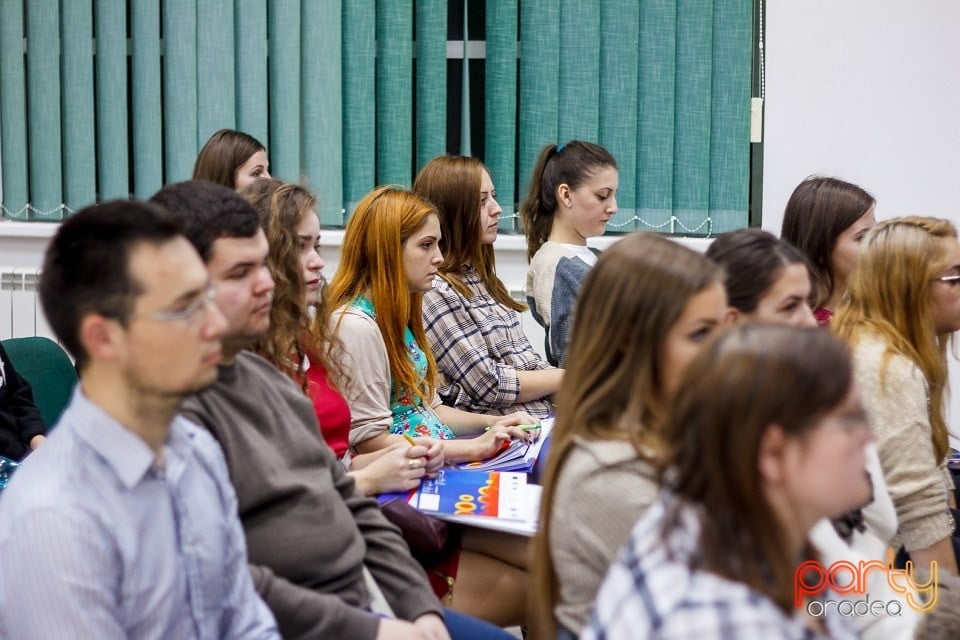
x=319 y=549
x=124 y=523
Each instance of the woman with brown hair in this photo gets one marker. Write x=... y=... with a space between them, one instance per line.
x=572 y=196
x=760 y=446
x=231 y=158
x=485 y=361
x=645 y=310
x=826 y=219
x=902 y=309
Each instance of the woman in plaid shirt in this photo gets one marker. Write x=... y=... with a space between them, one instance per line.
x=485 y=361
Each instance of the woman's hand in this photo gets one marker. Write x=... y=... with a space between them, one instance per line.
x=434 y=457
x=514 y=421
x=400 y=468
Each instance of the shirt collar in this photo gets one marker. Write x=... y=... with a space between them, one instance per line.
x=126 y=453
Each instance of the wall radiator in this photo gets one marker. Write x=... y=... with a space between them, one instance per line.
x=20 y=311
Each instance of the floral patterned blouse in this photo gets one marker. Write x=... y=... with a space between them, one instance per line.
x=410 y=416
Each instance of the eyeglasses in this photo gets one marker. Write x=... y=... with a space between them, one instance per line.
x=189 y=312
x=952 y=280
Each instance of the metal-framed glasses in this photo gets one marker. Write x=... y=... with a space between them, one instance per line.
x=189 y=312
x=952 y=280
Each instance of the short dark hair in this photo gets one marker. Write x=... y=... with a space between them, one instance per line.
x=753 y=259
x=208 y=212
x=86 y=267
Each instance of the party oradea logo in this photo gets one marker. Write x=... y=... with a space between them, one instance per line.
x=851 y=581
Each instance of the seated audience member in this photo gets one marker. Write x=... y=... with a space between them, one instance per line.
x=761 y=445
x=124 y=525
x=232 y=159
x=390 y=255
x=21 y=426
x=300 y=339
x=644 y=311
x=322 y=555
x=767 y=281
x=826 y=219
x=484 y=360
x=572 y=196
x=902 y=308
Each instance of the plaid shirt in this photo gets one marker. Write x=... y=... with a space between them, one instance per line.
x=479 y=346
x=652 y=592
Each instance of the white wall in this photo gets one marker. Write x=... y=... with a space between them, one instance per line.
x=865 y=90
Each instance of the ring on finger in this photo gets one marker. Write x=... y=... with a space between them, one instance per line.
x=413 y=464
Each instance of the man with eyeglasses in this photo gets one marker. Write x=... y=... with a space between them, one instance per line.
x=124 y=525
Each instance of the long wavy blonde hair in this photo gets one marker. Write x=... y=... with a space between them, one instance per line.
x=889 y=296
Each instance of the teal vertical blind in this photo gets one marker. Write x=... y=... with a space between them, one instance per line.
x=431 y=79
x=500 y=112
x=394 y=91
x=102 y=99
x=359 y=100
x=322 y=107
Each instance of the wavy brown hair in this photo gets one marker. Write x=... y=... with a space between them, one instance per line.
x=889 y=297
x=294 y=330
x=371 y=264
x=750 y=378
x=572 y=164
x=613 y=388
x=452 y=183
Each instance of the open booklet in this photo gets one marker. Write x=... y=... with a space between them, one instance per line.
x=498 y=494
x=516 y=456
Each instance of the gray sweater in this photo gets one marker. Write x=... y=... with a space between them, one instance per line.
x=309 y=531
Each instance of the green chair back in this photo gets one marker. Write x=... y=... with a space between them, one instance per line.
x=48 y=369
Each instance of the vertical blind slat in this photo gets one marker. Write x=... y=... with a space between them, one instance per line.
x=394 y=91
x=79 y=140
x=216 y=89
x=620 y=22
x=147 y=117
x=43 y=96
x=500 y=112
x=579 y=79
x=730 y=133
x=251 y=68
x=431 y=80
x=656 y=103
x=359 y=93
x=284 y=69
x=113 y=170
x=13 y=110
x=323 y=106
x=691 y=179
x=179 y=88
x=539 y=81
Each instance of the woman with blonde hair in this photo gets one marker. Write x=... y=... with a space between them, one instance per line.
x=644 y=312
x=760 y=446
x=231 y=158
x=826 y=219
x=572 y=196
x=902 y=308
x=485 y=361
x=301 y=341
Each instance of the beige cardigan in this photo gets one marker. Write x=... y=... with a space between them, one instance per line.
x=896 y=404
x=601 y=492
